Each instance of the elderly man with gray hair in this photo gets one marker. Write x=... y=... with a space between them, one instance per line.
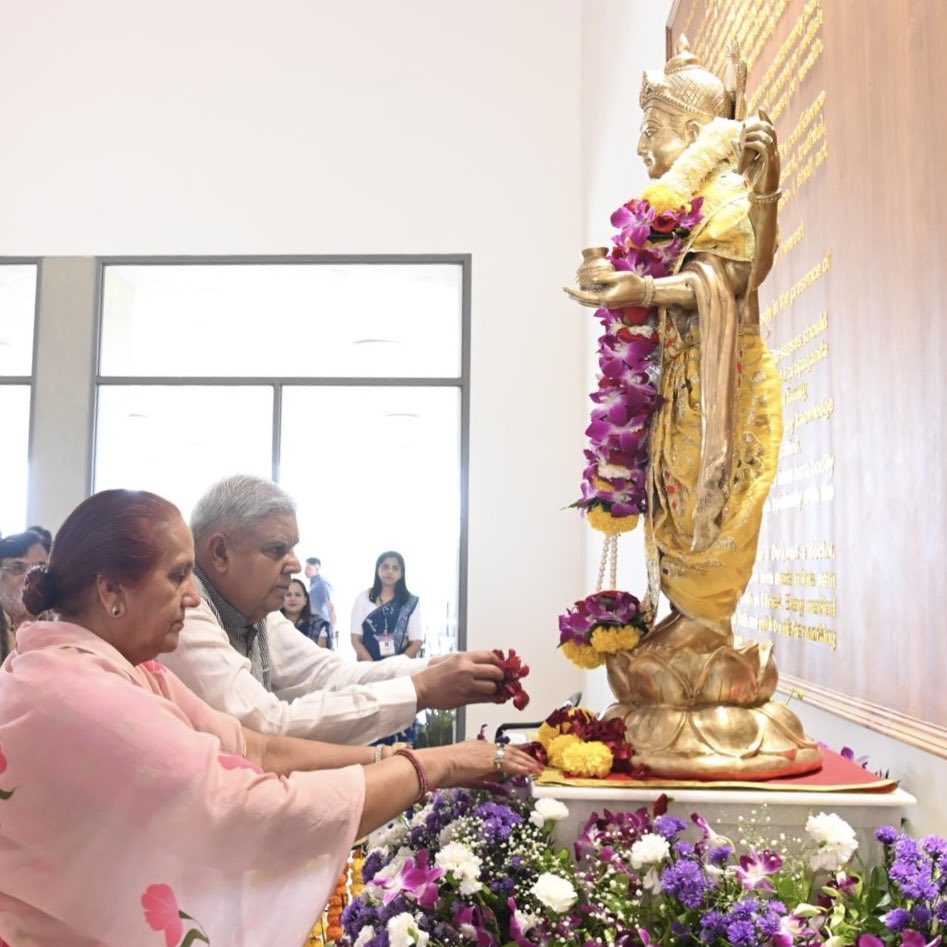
x=243 y=657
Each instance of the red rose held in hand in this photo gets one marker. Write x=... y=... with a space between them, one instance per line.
x=513 y=670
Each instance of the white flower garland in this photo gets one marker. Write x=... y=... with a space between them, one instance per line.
x=699 y=159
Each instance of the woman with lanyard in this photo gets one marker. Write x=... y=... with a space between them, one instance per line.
x=298 y=609
x=386 y=620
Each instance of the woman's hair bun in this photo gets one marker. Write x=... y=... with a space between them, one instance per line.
x=39 y=591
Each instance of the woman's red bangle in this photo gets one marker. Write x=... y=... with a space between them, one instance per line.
x=419 y=769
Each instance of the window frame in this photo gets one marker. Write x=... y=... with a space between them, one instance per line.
x=278 y=382
x=28 y=380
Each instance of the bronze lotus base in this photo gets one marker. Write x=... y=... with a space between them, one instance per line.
x=696 y=707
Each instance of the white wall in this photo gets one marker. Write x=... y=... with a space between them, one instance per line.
x=316 y=126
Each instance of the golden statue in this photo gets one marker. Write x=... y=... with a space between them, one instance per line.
x=695 y=705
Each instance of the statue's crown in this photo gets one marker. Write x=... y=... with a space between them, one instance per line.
x=685 y=85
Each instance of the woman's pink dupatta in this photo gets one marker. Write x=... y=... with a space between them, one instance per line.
x=129 y=817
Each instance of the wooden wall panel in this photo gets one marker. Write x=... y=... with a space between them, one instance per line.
x=850 y=580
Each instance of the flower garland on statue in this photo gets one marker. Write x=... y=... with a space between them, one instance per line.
x=652 y=235
x=603 y=623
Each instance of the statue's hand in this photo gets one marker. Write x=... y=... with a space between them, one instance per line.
x=618 y=289
x=758 y=154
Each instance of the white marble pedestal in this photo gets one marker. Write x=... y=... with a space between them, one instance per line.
x=787 y=811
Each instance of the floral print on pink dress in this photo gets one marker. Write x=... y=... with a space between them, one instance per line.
x=4 y=793
x=163 y=914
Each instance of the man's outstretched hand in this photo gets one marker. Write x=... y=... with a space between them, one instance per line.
x=470 y=677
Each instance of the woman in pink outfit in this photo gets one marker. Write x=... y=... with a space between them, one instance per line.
x=131 y=813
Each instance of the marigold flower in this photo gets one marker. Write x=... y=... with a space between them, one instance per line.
x=587 y=759
x=558 y=746
x=582 y=655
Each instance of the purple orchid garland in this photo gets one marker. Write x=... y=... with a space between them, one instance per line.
x=648 y=243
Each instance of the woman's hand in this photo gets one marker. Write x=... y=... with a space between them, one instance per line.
x=391 y=786
x=758 y=154
x=478 y=761
x=618 y=289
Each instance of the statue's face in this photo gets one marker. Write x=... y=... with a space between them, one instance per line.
x=664 y=136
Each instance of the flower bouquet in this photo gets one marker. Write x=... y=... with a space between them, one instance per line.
x=602 y=624
x=480 y=868
x=468 y=867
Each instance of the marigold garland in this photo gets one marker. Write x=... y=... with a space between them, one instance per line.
x=603 y=623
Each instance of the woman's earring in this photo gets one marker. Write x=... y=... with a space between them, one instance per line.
x=116 y=610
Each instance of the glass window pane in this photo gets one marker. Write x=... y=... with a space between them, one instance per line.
x=17 y=308
x=177 y=441
x=14 y=471
x=286 y=320
x=374 y=469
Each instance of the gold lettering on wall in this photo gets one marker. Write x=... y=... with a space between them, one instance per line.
x=789 y=297
x=792 y=592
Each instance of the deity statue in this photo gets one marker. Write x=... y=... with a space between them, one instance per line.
x=696 y=705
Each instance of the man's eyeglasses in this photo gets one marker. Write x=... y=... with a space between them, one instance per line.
x=17 y=567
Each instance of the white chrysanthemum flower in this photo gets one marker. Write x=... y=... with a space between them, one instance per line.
x=548 y=809
x=446 y=835
x=392 y=836
x=835 y=838
x=403 y=931
x=364 y=936
x=463 y=864
x=555 y=892
x=650 y=849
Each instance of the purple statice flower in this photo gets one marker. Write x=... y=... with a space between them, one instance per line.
x=685 y=881
x=374 y=862
x=921 y=916
x=755 y=868
x=936 y=849
x=719 y=855
x=912 y=870
x=357 y=914
x=712 y=927
x=886 y=834
x=498 y=821
x=685 y=849
x=669 y=826
x=741 y=933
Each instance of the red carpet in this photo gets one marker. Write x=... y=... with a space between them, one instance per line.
x=837 y=775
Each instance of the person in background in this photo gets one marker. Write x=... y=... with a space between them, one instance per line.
x=152 y=812
x=386 y=619
x=244 y=657
x=297 y=609
x=320 y=593
x=18 y=554
x=45 y=536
